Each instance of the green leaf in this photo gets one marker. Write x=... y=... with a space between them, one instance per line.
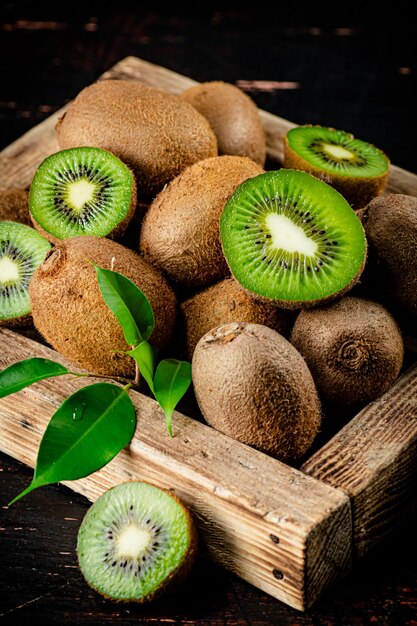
x=25 y=373
x=172 y=379
x=130 y=306
x=145 y=356
x=84 y=434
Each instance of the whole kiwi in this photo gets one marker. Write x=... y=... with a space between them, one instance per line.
x=390 y=224
x=69 y=311
x=155 y=133
x=14 y=206
x=227 y=302
x=180 y=231
x=253 y=385
x=233 y=116
x=353 y=348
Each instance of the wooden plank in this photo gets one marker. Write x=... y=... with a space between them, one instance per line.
x=19 y=161
x=286 y=533
x=373 y=460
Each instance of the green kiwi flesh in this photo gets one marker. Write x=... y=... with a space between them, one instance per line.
x=357 y=169
x=134 y=541
x=293 y=239
x=337 y=151
x=82 y=191
x=22 y=250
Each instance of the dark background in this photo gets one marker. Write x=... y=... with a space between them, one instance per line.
x=349 y=69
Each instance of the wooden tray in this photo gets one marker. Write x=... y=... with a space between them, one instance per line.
x=291 y=532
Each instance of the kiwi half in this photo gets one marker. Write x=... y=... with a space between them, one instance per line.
x=22 y=250
x=356 y=168
x=135 y=541
x=82 y=191
x=289 y=237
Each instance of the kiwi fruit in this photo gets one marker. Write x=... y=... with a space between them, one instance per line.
x=227 y=302
x=82 y=191
x=22 y=250
x=180 y=232
x=136 y=542
x=390 y=224
x=14 y=206
x=233 y=116
x=354 y=167
x=252 y=384
x=291 y=238
x=353 y=348
x=69 y=311
x=155 y=133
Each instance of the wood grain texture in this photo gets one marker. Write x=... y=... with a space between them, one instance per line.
x=373 y=460
x=20 y=159
x=275 y=527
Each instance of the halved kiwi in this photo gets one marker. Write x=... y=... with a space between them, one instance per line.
x=291 y=238
x=356 y=168
x=22 y=250
x=82 y=191
x=135 y=541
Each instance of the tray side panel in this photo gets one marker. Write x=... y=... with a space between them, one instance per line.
x=258 y=517
x=373 y=460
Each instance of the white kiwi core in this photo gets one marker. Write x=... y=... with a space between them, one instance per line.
x=132 y=541
x=9 y=271
x=288 y=236
x=79 y=193
x=338 y=152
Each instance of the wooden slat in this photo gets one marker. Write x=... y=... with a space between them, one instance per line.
x=19 y=161
x=241 y=497
x=373 y=460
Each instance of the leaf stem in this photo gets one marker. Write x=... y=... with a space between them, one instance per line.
x=137 y=372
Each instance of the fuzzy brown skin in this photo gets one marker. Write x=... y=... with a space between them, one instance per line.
x=390 y=224
x=157 y=134
x=177 y=576
x=253 y=385
x=118 y=231
x=357 y=191
x=353 y=348
x=233 y=116
x=180 y=232
x=69 y=311
x=14 y=206
x=224 y=303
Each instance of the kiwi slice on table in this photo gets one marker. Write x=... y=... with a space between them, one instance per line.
x=22 y=250
x=291 y=238
x=82 y=191
x=135 y=541
x=356 y=168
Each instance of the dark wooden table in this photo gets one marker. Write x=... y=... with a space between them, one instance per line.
x=353 y=74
